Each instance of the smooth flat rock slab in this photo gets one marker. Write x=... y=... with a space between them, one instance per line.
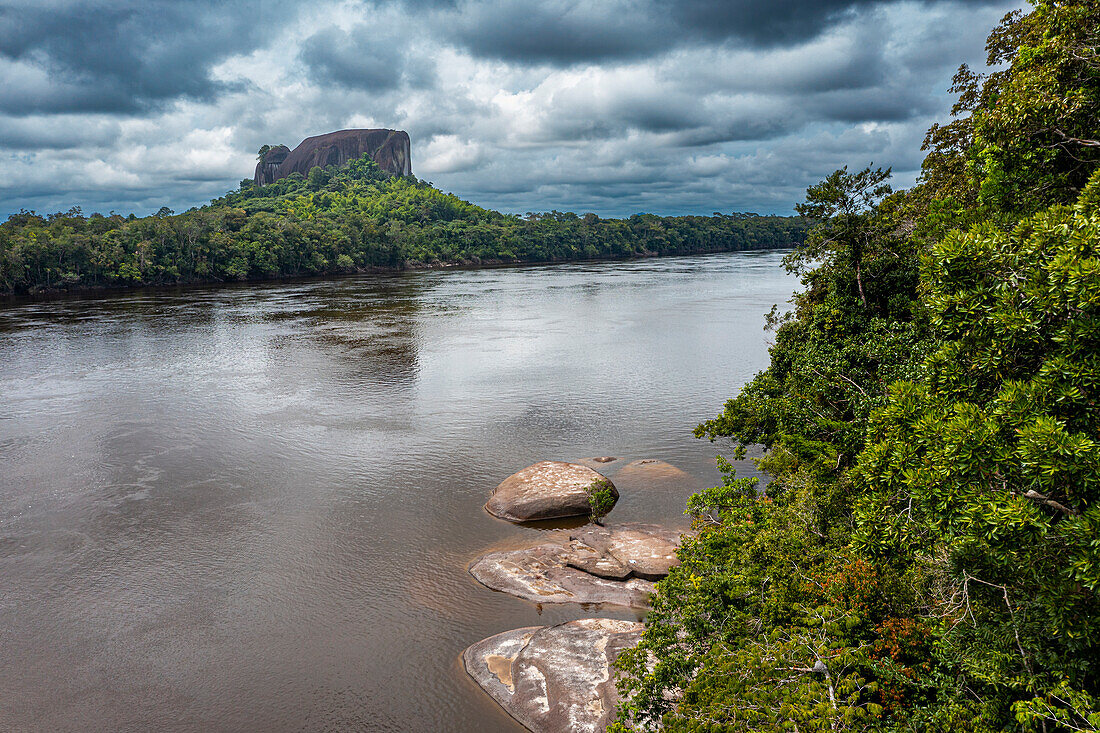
x=592 y=561
x=541 y=574
x=554 y=679
x=615 y=565
x=546 y=490
x=647 y=549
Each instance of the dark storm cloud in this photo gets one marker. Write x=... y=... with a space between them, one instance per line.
x=772 y=23
x=554 y=31
x=55 y=132
x=565 y=32
x=364 y=57
x=123 y=56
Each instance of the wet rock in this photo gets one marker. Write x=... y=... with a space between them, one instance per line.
x=648 y=550
x=612 y=565
x=651 y=470
x=543 y=574
x=546 y=490
x=554 y=678
x=603 y=459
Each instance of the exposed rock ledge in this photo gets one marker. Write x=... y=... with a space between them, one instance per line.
x=546 y=490
x=554 y=678
x=613 y=565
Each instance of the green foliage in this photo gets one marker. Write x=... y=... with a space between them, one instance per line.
x=1025 y=134
x=317 y=224
x=843 y=209
x=926 y=556
x=600 y=499
x=986 y=473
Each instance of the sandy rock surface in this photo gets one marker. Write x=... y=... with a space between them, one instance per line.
x=648 y=550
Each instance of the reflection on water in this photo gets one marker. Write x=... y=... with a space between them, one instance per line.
x=253 y=507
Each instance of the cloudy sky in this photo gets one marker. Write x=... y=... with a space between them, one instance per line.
x=611 y=106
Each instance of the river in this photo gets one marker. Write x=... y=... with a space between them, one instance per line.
x=252 y=507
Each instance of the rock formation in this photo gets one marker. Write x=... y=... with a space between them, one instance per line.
x=390 y=149
x=609 y=565
x=268 y=166
x=554 y=678
x=546 y=490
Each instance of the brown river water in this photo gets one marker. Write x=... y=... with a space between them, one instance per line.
x=251 y=508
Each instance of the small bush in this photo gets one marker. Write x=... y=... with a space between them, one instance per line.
x=600 y=499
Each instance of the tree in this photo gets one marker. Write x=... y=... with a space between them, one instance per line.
x=985 y=474
x=842 y=208
x=1025 y=134
x=317 y=178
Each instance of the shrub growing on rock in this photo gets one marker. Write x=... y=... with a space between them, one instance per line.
x=600 y=499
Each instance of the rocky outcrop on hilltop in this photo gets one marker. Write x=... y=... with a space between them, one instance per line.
x=390 y=149
x=546 y=490
x=554 y=678
x=268 y=166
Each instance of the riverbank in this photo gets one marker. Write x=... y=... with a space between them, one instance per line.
x=52 y=294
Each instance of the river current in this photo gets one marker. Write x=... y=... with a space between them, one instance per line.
x=252 y=507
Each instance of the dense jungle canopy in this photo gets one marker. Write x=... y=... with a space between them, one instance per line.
x=927 y=554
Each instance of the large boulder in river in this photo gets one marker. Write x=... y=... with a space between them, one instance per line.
x=554 y=679
x=390 y=149
x=546 y=490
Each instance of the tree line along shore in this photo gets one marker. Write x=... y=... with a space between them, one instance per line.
x=341 y=220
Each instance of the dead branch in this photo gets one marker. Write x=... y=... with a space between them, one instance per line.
x=1044 y=499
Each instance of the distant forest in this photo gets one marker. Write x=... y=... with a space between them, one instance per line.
x=342 y=220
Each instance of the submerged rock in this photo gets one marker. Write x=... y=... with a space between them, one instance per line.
x=554 y=678
x=652 y=470
x=546 y=490
x=608 y=565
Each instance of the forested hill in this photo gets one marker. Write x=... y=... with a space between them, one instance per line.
x=340 y=220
